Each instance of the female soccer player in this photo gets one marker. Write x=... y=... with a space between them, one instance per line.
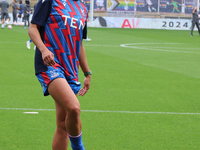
x=14 y=12
x=26 y=12
x=57 y=29
x=20 y=12
x=195 y=20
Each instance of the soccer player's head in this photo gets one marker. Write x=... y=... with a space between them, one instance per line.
x=27 y=2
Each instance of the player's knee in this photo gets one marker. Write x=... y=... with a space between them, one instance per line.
x=74 y=111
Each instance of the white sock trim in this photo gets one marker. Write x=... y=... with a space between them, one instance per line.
x=75 y=136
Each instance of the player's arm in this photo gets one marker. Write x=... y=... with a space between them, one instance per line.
x=39 y=21
x=47 y=55
x=194 y=10
x=85 y=69
x=83 y=60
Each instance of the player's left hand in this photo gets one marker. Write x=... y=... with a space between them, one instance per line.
x=86 y=85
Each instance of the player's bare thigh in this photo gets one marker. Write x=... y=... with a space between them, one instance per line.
x=61 y=92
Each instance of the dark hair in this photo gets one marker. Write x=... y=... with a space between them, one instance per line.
x=27 y=2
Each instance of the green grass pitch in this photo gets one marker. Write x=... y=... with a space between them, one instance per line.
x=144 y=92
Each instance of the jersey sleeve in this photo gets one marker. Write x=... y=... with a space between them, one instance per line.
x=41 y=12
x=85 y=28
x=85 y=31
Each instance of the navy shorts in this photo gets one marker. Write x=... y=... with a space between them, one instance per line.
x=55 y=72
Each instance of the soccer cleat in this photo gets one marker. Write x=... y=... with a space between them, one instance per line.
x=191 y=35
x=24 y=27
x=2 y=26
x=28 y=44
x=34 y=47
x=88 y=39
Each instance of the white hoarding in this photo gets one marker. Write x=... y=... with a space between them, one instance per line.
x=145 y=23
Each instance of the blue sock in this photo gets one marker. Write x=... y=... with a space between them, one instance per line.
x=76 y=142
x=30 y=40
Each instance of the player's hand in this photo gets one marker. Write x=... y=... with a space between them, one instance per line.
x=86 y=85
x=48 y=58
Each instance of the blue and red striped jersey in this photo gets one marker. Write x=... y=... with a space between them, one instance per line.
x=63 y=25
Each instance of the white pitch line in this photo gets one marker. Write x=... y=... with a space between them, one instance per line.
x=102 y=45
x=27 y=109
x=84 y=44
x=141 y=46
x=11 y=42
x=30 y=112
x=106 y=111
x=171 y=48
x=138 y=47
x=161 y=49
